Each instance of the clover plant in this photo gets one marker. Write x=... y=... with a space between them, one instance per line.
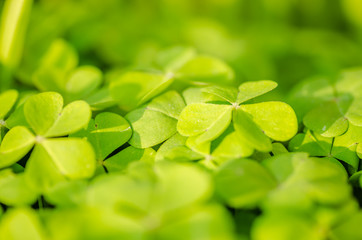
x=253 y=124
x=54 y=158
x=105 y=134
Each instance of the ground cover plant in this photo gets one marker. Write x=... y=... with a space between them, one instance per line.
x=128 y=136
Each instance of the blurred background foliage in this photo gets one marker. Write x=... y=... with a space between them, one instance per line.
x=282 y=40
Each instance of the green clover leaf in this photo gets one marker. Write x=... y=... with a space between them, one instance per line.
x=45 y=114
x=212 y=222
x=17 y=142
x=343 y=148
x=229 y=145
x=58 y=72
x=14 y=190
x=120 y=161
x=175 y=149
x=309 y=94
x=100 y=99
x=205 y=121
x=155 y=122
x=204 y=69
x=59 y=59
x=247 y=130
x=133 y=89
x=56 y=160
x=7 y=100
x=310 y=181
x=329 y=124
x=250 y=90
x=53 y=159
x=276 y=119
x=106 y=133
x=328 y=108
x=31 y=227
x=254 y=183
x=91 y=223
x=82 y=82
x=285 y=226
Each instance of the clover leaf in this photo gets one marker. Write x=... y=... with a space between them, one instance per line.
x=53 y=159
x=58 y=72
x=17 y=142
x=285 y=226
x=133 y=89
x=329 y=124
x=328 y=107
x=45 y=114
x=212 y=222
x=121 y=160
x=188 y=66
x=156 y=121
x=175 y=148
x=254 y=183
x=59 y=59
x=204 y=69
x=31 y=227
x=7 y=100
x=250 y=90
x=107 y=132
x=166 y=202
x=207 y=121
x=311 y=181
x=343 y=148
x=14 y=190
x=253 y=123
x=91 y=223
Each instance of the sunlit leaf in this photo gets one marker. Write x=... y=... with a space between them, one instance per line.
x=120 y=161
x=249 y=90
x=73 y=117
x=276 y=119
x=231 y=146
x=249 y=132
x=203 y=118
x=16 y=143
x=155 y=122
x=106 y=133
x=225 y=93
x=7 y=102
x=55 y=160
